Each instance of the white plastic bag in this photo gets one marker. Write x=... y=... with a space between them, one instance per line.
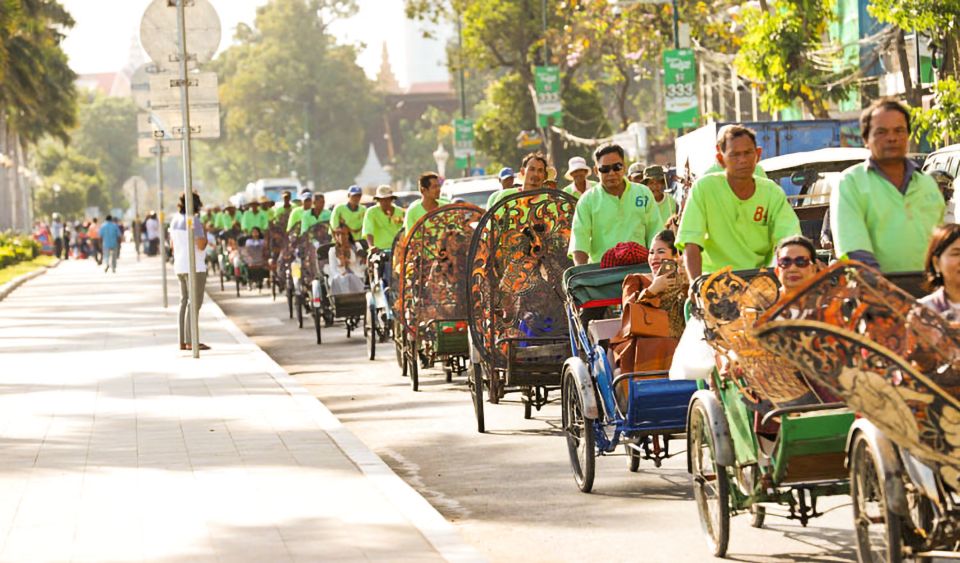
x=694 y=359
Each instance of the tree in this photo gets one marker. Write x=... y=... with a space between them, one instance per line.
x=937 y=19
x=82 y=182
x=419 y=140
x=783 y=53
x=285 y=78
x=108 y=134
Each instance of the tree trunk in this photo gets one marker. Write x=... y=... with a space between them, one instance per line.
x=13 y=173
x=6 y=198
x=910 y=92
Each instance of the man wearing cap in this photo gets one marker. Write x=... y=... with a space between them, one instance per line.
x=316 y=214
x=286 y=207
x=383 y=221
x=577 y=172
x=635 y=173
x=254 y=217
x=229 y=218
x=613 y=212
x=429 y=199
x=350 y=214
x=534 y=169
x=655 y=178
x=306 y=202
x=507 y=179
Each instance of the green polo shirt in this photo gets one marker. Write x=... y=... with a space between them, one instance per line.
x=603 y=220
x=668 y=207
x=572 y=190
x=383 y=227
x=227 y=221
x=251 y=220
x=295 y=217
x=352 y=219
x=308 y=220
x=498 y=195
x=869 y=213
x=734 y=232
x=278 y=211
x=716 y=168
x=416 y=211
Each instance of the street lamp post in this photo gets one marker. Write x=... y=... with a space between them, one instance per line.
x=440 y=156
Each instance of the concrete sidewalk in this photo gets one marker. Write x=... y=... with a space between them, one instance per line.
x=116 y=446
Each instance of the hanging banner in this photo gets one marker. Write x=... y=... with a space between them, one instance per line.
x=463 y=149
x=680 y=84
x=547 y=85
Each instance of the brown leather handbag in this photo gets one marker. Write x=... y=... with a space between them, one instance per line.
x=643 y=320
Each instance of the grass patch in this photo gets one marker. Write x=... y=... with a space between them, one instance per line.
x=12 y=272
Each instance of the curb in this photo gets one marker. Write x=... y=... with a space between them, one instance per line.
x=438 y=532
x=7 y=288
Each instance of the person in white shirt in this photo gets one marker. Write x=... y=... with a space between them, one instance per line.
x=345 y=270
x=180 y=239
x=152 y=226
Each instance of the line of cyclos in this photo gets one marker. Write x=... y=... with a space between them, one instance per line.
x=493 y=296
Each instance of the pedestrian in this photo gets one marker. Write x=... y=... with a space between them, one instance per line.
x=883 y=212
x=57 y=232
x=577 y=172
x=180 y=238
x=96 y=246
x=736 y=218
x=152 y=230
x=616 y=211
x=110 y=238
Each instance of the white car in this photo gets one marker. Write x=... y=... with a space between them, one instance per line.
x=474 y=189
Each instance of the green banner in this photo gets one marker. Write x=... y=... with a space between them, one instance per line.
x=680 y=84
x=547 y=85
x=463 y=149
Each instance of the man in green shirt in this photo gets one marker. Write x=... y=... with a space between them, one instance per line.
x=350 y=214
x=734 y=219
x=429 y=183
x=383 y=221
x=306 y=202
x=655 y=178
x=534 y=169
x=717 y=167
x=507 y=181
x=612 y=212
x=577 y=172
x=316 y=214
x=254 y=217
x=285 y=206
x=229 y=218
x=883 y=211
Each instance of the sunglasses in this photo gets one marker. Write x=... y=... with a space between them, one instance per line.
x=800 y=262
x=610 y=168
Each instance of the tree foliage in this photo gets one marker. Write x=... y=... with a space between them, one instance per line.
x=283 y=78
x=938 y=19
x=82 y=182
x=107 y=134
x=941 y=123
x=419 y=140
x=783 y=53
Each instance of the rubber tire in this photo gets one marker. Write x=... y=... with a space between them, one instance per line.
x=699 y=430
x=758 y=513
x=634 y=458
x=476 y=392
x=371 y=332
x=273 y=287
x=413 y=364
x=238 y=286
x=448 y=374
x=316 y=325
x=221 y=280
x=299 y=311
x=862 y=464
x=527 y=409
x=290 y=299
x=401 y=358
x=582 y=463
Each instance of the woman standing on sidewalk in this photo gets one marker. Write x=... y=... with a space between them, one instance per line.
x=181 y=264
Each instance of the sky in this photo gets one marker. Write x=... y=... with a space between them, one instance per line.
x=101 y=39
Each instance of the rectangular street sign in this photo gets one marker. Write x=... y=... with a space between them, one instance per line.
x=147 y=147
x=165 y=89
x=462 y=141
x=204 y=121
x=547 y=85
x=680 y=83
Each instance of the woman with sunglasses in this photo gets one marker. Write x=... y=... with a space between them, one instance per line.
x=796 y=262
x=942 y=272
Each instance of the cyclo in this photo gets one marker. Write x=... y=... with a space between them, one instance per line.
x=431 y=303
x=602 y=407
x=894 y=361
x=226 y=244
x=518 y=334
x=379 y=321
x=759 y=434
x=346 y=301
x=306 y=271
x=279 y=257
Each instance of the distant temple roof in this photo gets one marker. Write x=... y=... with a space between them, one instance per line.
x=372 y=173
x=386 y=79
x=113 y=84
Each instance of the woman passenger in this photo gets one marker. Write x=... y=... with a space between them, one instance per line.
x=942 y=272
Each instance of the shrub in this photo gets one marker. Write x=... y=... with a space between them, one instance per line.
x=16 y=248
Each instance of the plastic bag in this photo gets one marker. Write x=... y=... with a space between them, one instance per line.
x=694 y=359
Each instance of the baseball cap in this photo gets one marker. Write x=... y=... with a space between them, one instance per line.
x=636 y=169
x=654 y=171
x=506 y=173
x=306 y=194
x=354 y=190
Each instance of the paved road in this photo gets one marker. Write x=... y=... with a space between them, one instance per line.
x=510 y=491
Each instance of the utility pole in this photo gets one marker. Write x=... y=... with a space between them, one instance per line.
x=163 y=230
x=306 y=141
x=463 y=91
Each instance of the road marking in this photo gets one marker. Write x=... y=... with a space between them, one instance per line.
x=440 y=533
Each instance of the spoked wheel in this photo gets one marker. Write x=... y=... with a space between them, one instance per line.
x=711 y=487
x=528 y=406
x=634 y=457
x=221 y=279
x=476 y=393
x=316 y=324
x=238 y=286
x=878 y=529
x=413 y=363
x=370 y=331
x=299 y=310
x=401 y=358
x=448 y=373
x=273 y=287
x=581 y=442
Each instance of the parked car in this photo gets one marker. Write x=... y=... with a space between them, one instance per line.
x=475 y=189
